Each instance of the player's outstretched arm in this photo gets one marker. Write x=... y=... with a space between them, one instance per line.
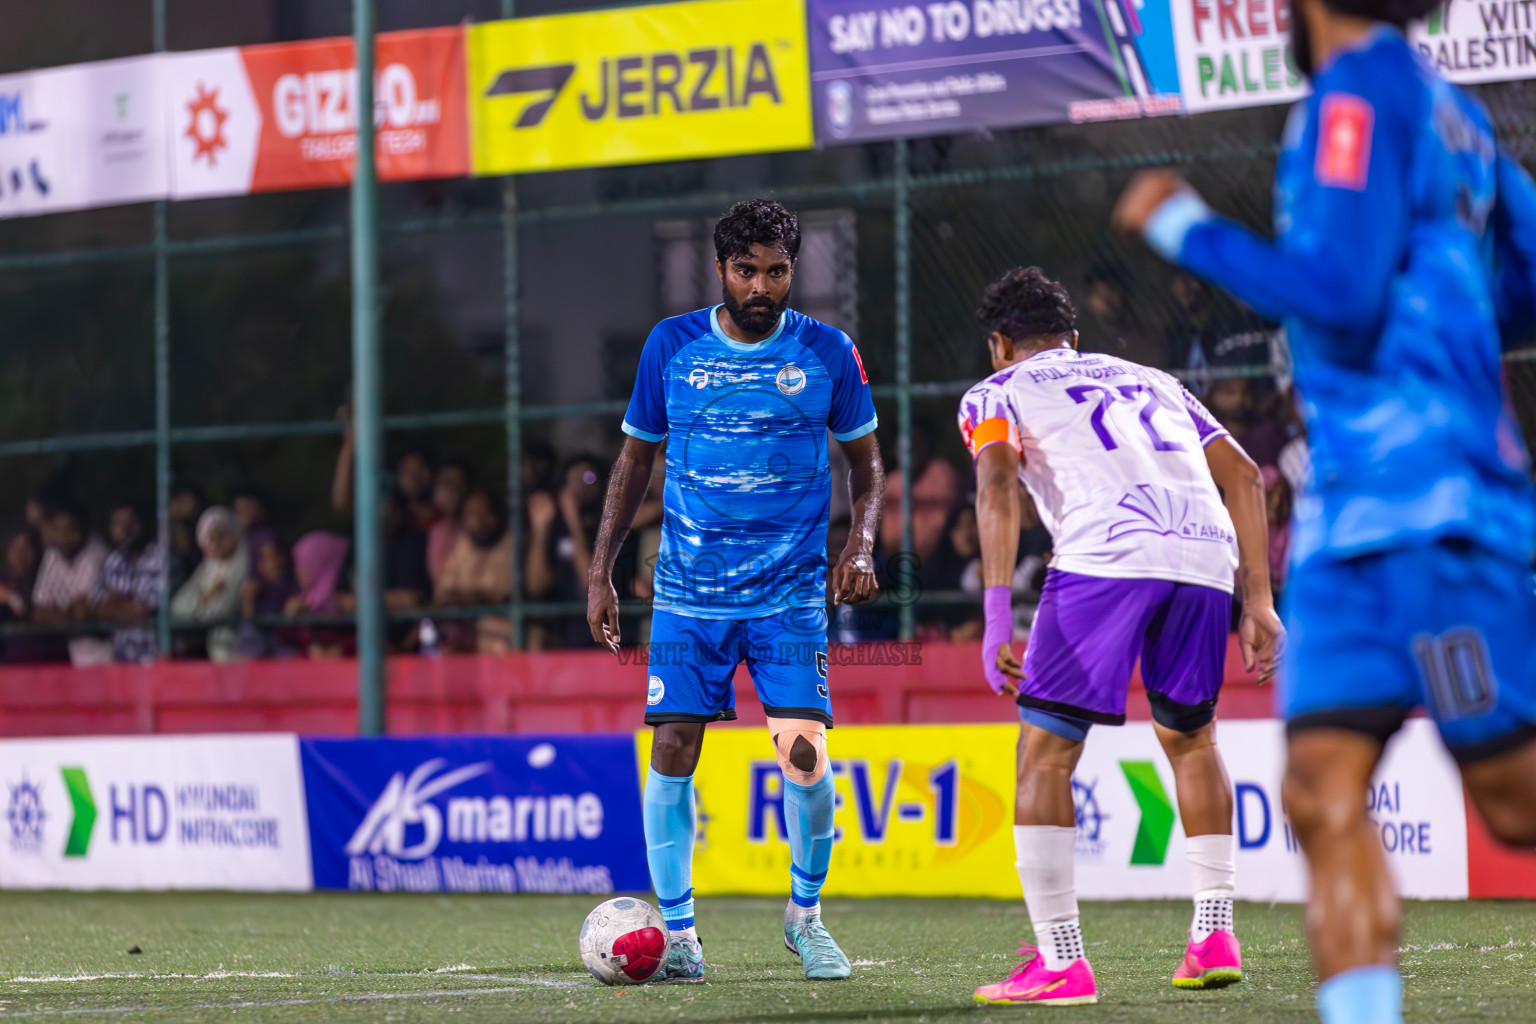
x=1242 y=488
x=853 y=579
x=997 y=519
x=627 y=484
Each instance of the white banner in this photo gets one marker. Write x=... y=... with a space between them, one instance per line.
x=82 y=135
x=1479 y=40
x=1234 y=55
x=213 y=122
x=154 y=812
x=1130 y=843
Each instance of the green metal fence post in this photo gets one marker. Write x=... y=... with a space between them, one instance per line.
x=513 y=357
x=162 y=397
x=902 y=229
x=367 y=388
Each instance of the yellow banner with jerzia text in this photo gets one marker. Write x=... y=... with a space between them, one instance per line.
x=641 y=84
x=921 y=811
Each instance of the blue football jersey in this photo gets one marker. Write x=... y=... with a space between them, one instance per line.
x=1403 y=263
x=744 y=528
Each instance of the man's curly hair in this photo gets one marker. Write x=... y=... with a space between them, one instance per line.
x=756 y=222
x=1024 y=303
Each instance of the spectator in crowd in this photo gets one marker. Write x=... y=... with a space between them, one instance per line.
x=560 y=545
x=1114 y=326
x=71 y=567
x=186 y=507
x=538 y=466
x=254 y=516
x=406 y=583
x=935 y=491
x=129 y=591
x=448 y=492
x=18 y=576
x=318 y=561
x=959 y=546
x=1239 y=405
x=266 y=594
x=212 y=593
x=1277 y=497
x=413 y=484
x=479 y=572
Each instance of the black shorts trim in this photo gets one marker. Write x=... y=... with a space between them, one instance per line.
x=814 y=714
x=663 y=717
x=1512 y=740
x=1056 y=707
x=1170 y=714
x=1379 y=723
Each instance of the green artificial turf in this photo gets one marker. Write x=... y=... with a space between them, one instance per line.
x=374 y=957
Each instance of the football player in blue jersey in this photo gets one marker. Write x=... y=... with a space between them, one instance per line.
x=744 y=394
x=1403 y=264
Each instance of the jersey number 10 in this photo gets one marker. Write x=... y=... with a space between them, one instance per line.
x=1127 y=392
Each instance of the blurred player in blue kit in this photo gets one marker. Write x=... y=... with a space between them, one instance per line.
x=744 y=394
x=1405 y=260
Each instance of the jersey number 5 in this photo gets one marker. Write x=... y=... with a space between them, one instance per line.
x=1129 y=392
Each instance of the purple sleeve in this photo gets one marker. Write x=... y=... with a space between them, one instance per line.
x=1205 y=424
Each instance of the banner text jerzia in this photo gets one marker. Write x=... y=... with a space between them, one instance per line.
x=635 y=85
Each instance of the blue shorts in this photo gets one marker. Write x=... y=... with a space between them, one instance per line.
x=1450 y=627
x=692 y=662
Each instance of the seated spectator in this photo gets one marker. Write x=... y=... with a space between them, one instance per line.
x=318 y=560
x=185 y=508
x=254 y=516
x=935 y=490
x=266 y=594
x=560 y=546
x=958 y=548
x=1238 y=407
x=212 y=593
x=1277 y=500
x=406 y=583
x=130 y=587
x=413 y=483
x=18 y=576
x=70 y=571
x=479 y=572
x=448 y=493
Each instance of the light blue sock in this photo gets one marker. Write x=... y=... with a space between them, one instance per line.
x=808 y=814
x=669 y=830
x=1362 y=995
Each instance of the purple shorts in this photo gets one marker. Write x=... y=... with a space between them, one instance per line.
x=1089 y=631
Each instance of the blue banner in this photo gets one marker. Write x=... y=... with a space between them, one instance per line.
x=878 y=71
x=476 y=814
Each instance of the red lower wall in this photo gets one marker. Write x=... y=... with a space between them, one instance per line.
x=569 y=691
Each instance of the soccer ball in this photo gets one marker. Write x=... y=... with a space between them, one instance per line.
x=624 y=942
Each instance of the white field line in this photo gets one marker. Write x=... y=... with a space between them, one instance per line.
x=366 y=997
x=50 y=979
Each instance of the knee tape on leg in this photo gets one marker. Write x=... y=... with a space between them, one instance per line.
x=802 y=754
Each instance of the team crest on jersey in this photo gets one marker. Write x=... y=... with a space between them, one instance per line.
x=791 y=379
x=655 y=690
x=699 y=378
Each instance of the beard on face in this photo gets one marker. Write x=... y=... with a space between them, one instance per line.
x=1301 y=42
x=757 y=315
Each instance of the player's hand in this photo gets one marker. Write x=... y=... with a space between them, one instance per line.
x=1260 y=638
x=1008 y=664
x=853 y=580
x=603 y=614
x=1147 y=191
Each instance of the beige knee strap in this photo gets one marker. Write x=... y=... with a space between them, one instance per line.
x=801 y=747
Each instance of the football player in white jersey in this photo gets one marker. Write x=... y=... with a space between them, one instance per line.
x=1124 y=466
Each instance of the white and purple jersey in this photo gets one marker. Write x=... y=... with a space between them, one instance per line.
x=1113 y=453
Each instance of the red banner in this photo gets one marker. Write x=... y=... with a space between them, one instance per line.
x=269 y=118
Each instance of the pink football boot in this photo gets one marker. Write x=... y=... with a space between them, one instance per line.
x=1214 y=963
x=1032 y=984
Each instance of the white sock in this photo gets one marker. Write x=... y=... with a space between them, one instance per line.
x=795 y=912
x=1050 y=892
x=689 y=934
x=1213 y=871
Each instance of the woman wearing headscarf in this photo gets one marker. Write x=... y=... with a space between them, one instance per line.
x=318 y=559
x=212 y=592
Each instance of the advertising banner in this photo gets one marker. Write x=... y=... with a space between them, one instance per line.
x=885 y=70
x=268 y=118
x=634 y=85
x=1235 y=54
x=80 y=136
x=1479 y=40
x=476 y=814
x=928 y=811
x=154 y=812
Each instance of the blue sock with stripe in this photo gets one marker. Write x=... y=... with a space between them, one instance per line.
x=808 y=813
x=668 y=812
x=1362 y=995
